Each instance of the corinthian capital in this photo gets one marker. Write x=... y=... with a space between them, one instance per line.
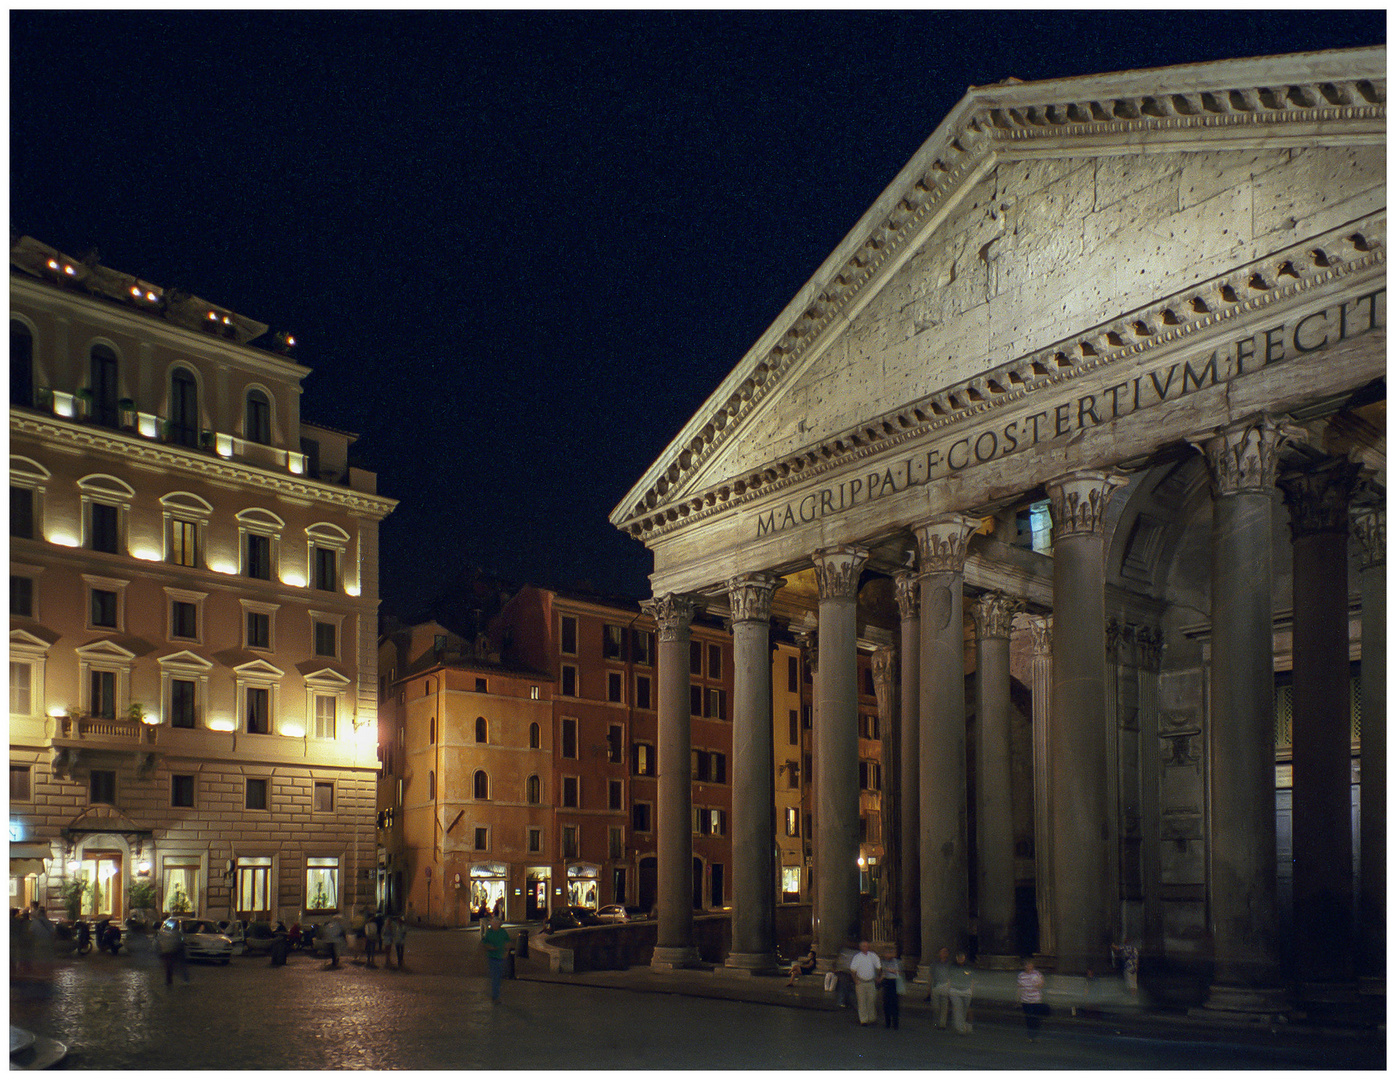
x=1369 y=526
x=837 y=570
x=672 y=613
x=943 y=542
x=1079 y=501
x=750 y=596
x=1040 y=627
x=993 y=614
x=1242 y=457
x=908 y=594
x=1318 y=499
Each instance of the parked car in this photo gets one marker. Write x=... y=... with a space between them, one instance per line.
x=202 y=939
x=569 y=918
x=585 y=915
x=236 y=931
x=613 y=913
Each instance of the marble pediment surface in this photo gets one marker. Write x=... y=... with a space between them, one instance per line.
x=1043 y=225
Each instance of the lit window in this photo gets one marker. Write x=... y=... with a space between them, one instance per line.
x=184 y=542
x=321 y=884
x=792 y=821
x=642 y=759
x=325 y=709
x=21 y=688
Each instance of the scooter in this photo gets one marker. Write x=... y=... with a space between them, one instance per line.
x=84 y=934
x=109 y=935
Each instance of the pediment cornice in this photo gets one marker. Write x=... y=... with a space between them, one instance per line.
x=1337 y=97
x=1349 y=253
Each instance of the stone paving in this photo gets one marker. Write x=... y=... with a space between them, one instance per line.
x=116 y=1013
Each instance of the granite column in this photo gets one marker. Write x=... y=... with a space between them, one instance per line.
x=1369 y=526
x=908 y=794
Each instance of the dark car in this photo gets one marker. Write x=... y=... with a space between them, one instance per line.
x=569 y=918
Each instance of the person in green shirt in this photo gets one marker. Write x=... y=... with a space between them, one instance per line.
x=496 y=941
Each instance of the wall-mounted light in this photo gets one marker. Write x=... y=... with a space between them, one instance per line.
x=64 y=539
x=150 y=719
x=222 y=723
x=223 y=567
x=294 y=731
x=58 y=711
x=296 y=581
x=351 y=590
x=148 y=554
x=148 y=425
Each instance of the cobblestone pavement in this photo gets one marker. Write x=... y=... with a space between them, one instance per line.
x=116 y=1013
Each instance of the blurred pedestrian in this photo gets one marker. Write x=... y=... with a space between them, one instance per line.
x=960 y=991
x=1127 y=956
x=399 y=932
x=169 y=941
x=1030 y=983
x=939 y=997
x=334 y=939
x=866 y=969
x=499 y=908
x=370 y=939
x=893 y=985
x=495 y=939
x=843 y=975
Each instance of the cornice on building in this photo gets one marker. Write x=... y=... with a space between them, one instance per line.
x=1332 y=98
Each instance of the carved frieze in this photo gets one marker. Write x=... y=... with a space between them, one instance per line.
x=943 y=543
x=1369 y=527
x=1318 y=499
x=750 y=596
x=672 y=614
x=837 y=570
x=1079 y=501
x=993 y=614
x=1243 y=457
x=908 y=594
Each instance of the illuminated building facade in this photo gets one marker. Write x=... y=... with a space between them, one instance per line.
x=193 y=610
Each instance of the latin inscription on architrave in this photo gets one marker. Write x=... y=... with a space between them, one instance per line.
x=1274 y=345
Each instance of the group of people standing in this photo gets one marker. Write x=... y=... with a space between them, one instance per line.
x=858 y=974
x=384 y=932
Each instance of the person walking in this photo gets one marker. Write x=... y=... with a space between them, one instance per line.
x=960 y=991
x=1030 y=983
x=866 y=969
x=496 y=942
x=395 y=938
x=334 y=938
x=892 y=986
x=370 y=939
x=170 y=944
x=843 y=988
x=939 y=997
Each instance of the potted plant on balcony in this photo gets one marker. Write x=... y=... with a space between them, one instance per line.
x=127 y=408
x=82 y=403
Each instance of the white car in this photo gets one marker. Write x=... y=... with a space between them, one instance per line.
x=202 y=939
x=613 y=913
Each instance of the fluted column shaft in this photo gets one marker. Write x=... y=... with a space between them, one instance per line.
x=993 y=622
x=1369 y=526
x=1078 y=768
x=909 y=793
x=753 y=774
x=1241 y=725
x=1322 y=752
x=942 y=544
x=836 y=867
x=674 y=940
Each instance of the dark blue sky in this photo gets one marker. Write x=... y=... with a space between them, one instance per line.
x=519 y=249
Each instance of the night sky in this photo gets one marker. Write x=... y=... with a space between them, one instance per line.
x=519 y=249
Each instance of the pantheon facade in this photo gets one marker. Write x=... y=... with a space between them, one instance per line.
x=1084 y=419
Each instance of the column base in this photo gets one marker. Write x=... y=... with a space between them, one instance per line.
x=752 y=964
x=1244 y=1003
x=673 y=957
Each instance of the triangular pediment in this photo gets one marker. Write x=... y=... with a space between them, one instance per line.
x=326 y=677
x=23 y=642
x=259 y=669
x=979 y=255
x=105 y=650
x=186 y=659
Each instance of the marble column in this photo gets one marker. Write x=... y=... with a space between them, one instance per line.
x=837 y=912
x=674 y=940
x=809 y=656
x=1369 y=526
x=1241 y=722
x=884 y=671
x=908 y=795
x=1080 y=867
x=993 y=623
x=753 y=775
x=1322 y=752
x=943 y=543
x=1040 y=627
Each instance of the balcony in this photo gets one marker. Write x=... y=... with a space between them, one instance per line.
x=84 y=742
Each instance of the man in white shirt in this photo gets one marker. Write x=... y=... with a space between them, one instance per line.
x=866 y=967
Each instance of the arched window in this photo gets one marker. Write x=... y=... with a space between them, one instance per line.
x=21 y=364
x=431 y=785
x=482 y=785
x=535 y=737
x=534 y=791
x=482 y=730
x=184 y=408
x=257 y=424
x=103 y=384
